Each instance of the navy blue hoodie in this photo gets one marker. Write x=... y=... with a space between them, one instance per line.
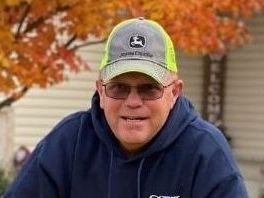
x=80 y=158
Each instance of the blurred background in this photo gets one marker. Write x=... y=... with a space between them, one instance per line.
x=49 y=58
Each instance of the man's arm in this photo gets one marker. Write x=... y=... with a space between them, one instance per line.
x=48 y=172
x=32 y=181
x=217 y=174
x=231 y=187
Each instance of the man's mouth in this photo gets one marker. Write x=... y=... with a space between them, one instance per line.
x=135 y=118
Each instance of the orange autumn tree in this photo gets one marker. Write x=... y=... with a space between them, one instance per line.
x=39 y=40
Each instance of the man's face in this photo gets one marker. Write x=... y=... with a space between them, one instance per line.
x=133 y=120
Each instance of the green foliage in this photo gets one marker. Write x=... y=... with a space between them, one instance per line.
x=3 y=182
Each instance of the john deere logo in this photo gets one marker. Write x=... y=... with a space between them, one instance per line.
x=137 y=42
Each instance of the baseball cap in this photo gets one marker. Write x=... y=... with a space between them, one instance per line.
x=138 y=45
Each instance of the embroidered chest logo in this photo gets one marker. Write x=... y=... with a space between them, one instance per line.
x=137 y=41
x=163 y=196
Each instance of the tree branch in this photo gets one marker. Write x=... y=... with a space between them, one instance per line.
x=70 y=41
x=88 y=44
x=40 y=20
x=14 y=97
x=25 y=13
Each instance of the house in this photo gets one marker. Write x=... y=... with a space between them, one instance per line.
x=32 y=117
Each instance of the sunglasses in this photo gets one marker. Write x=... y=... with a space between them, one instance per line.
x=147 y=91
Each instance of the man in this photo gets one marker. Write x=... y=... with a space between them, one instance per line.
x=141 y=138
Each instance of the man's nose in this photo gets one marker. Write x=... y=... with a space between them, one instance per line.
x=133 y=99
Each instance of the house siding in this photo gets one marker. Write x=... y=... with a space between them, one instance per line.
x=244 y=108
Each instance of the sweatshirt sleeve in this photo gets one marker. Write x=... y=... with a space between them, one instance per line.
x=231 y=187
x=32 y=181
x=217 y=174
x=217 y=180
x=48 y=172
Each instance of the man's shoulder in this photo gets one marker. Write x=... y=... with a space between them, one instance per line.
x=63 y=137
x=206 y=129
x=69 y=127
x=73 y=118
x=206 y=138
x=202 y=140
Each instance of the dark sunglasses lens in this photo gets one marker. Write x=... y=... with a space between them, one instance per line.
x=150 y=91
x=117 y=90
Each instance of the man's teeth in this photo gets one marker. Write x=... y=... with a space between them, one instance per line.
x=133 y=118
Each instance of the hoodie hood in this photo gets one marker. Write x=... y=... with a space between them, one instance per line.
x=179 y=117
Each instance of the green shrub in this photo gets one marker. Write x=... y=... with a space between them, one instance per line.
x=3 y=182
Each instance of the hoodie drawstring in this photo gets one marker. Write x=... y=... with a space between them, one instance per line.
x=110 y=174
x=138 y=176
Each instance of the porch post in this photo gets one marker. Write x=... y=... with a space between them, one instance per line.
x=214 y=90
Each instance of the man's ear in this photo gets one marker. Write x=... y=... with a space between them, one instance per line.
x=99 y=86
x=177 y=90
x=178 y=87
x=99 y=89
